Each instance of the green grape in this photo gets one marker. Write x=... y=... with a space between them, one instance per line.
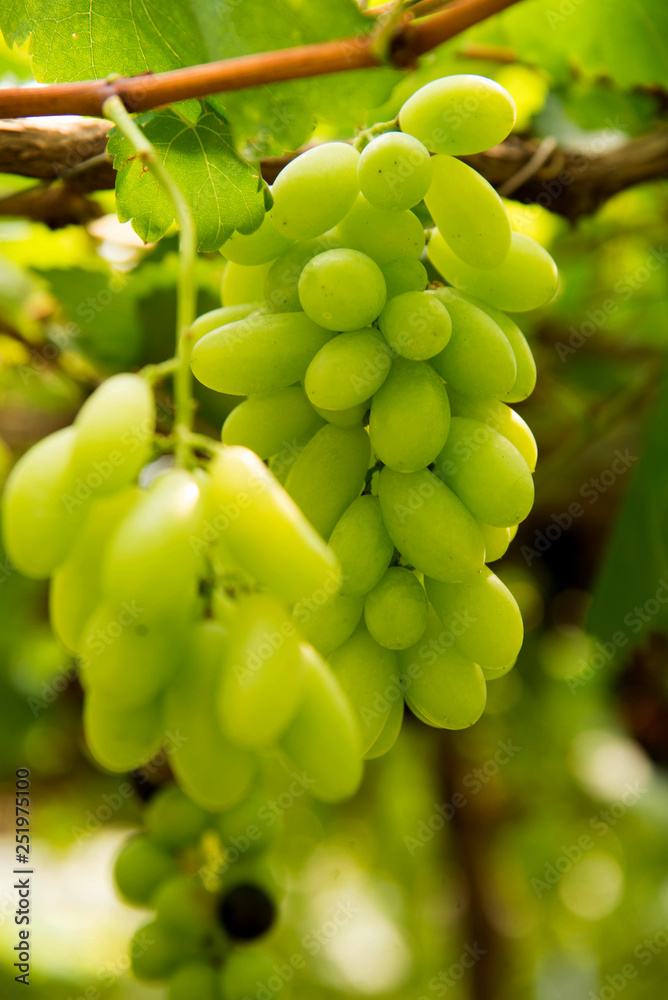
x=362 y=545
x=429 y=525
x=342 y=289
x=329 y=474
x=416 y=325
x=503 y=419
x=483 y=616
x=469 y=213
x=323 y=739
x=265 y=244
x=487 y=473
x=478 y=361
x=410 y=416
x=173 y=820
x=494 y=675
x=155 y=537
x=194 y=981
x=315 y=190
x=41 y=515
x=352 y=416
x=525 y=382
x=396 y=609
x=497 y=541
x=122 y=739
x=326 y=627
x=115 y=429
x=442 y=687
x=281 y=287
x=262 y=353
x=184 y=907
x=249 y=827
x=369 y=675
x=404 y=274
x=262 y=681
x=383 y=236
x=125 y=660
x=248 y=970
x=459 y=114
x=348 y=370
x=248 y=506
x=140 y=868
x=212 y=772
x=394 y=171
x=157 y=952
x=221 y=317
x=243 y=284
x=389 y=734
x=526 y=279
x=75 y=588
x=269 y=422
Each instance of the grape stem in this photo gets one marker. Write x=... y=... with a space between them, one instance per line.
x=114 y=109
x=156 y=373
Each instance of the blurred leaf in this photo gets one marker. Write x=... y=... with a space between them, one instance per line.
x=101 y=310
x=221 y=190
x=635 y=568
x=613 y=38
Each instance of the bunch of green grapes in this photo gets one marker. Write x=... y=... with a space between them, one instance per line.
x=209 y=914
x=381 y=403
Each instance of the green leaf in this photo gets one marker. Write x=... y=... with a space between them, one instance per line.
x=223 y=192
x=74 y=41
x=102 y=310
x=635 y=568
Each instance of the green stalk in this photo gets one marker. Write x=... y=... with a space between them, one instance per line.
x=114 y=109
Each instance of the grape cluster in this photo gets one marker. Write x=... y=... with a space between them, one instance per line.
x=381 y=403
x=283 y=592
x=208 y=914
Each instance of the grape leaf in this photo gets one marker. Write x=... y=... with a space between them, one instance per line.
x=74 y=41
x=635 y=567
x=222 y=191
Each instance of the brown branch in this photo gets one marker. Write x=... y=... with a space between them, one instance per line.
x=56 y=206
x=140 y=93
x=50 y=152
